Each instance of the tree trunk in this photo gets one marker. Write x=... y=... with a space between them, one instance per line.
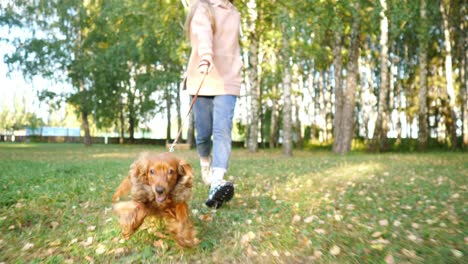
x=464 y=85
x=274 y=120
x=178 y=103
x=191 y=131
x=370 y=100
x=321 y=104
x=84 y=115
x=452 y=126
x=253 y=132
x=131 y=127
x=349 y=103
x=287 y=108
x=338 y=120
x=398 y=102
x=379 y=138
x=122 y=122
x=310 y=109
x=287 y=111
x=297 y=123
x=254 y=94
x=422 y=111
x=329 y=105
x=168 y=115
x=131 y=116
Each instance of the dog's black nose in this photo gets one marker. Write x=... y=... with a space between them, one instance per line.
x=160 y=190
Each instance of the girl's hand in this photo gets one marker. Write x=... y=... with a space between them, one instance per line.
x=204 y=67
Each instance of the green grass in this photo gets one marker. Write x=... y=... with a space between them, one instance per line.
x=361 y=208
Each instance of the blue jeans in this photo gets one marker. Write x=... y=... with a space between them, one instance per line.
x=213 y=117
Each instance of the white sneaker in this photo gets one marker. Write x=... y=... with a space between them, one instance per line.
x=220 y=192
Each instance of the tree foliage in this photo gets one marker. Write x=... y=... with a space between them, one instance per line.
x=125 y=60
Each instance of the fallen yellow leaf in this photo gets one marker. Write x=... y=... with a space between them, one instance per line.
x=335 y=250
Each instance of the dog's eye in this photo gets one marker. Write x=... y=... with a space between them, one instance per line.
x=170 y=171
x=152 y=171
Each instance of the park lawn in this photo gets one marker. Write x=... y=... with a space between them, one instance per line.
x=55 y=207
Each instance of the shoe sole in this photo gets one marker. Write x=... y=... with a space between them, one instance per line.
x=224 y=194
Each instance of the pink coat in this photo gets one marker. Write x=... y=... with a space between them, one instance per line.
x=221 y=48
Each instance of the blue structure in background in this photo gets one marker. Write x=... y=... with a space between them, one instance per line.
x=54 y=131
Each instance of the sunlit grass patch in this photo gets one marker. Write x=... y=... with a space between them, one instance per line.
x=55 y=207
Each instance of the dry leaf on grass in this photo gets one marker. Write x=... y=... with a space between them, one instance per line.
x=320 y=231
x=457 y=253
x=119 y=251
x=383 y=222
x=389 y=259
x=296 y=219
x=73 y=241
x=414 y=238
x=88 y=242
x=100 y=249
x=250 y=251
x=27 y=246
x=409 y=253
x=54 y=224
x=335 y=250
x=309 y=219
x=55 y=243
x=380 y=241
x=247 y=238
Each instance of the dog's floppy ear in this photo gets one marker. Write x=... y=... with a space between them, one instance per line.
x=185 y=174
x=138 y=169
x=182 y=192
x=136 y=176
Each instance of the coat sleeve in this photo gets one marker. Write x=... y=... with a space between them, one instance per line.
x=203 y=33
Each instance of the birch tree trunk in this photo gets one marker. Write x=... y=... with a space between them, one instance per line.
x=338 y=120
x=347 y=123
x=297 y=100
x=321 y=104
x=422 y=111
x=287 y=112
x=330 y=105
x=274 y=120
x=178 y=103
x=452 y=127
x=464 y=85
x=252 y=143
x=287 y=108
x=379 y=139
x=168 y=115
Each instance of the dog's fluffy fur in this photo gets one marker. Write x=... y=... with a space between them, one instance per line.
x=159 y=185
